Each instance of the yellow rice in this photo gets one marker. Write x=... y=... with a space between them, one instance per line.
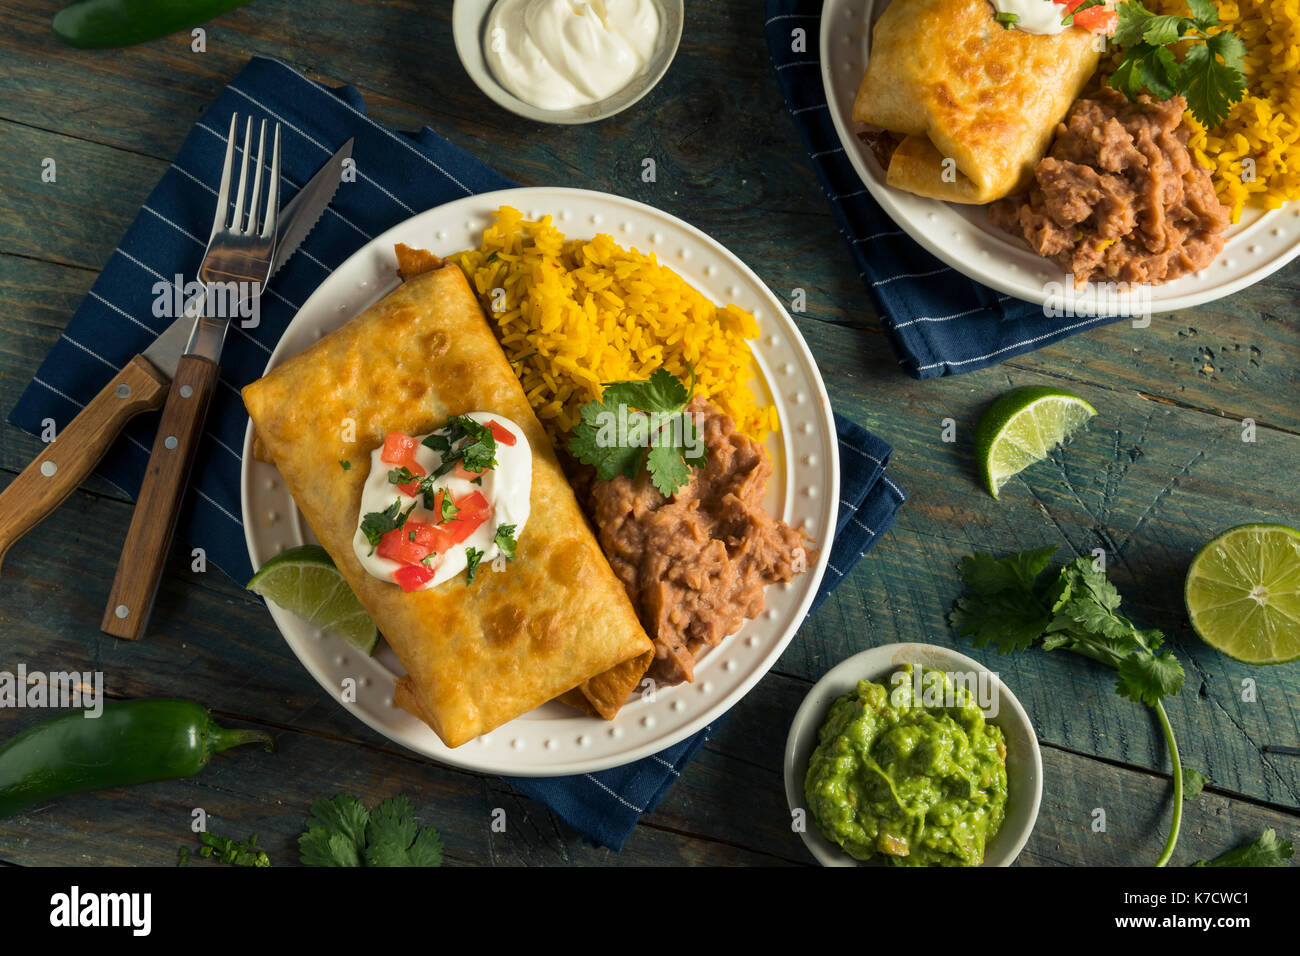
x=1265 y=125
x=577 y=313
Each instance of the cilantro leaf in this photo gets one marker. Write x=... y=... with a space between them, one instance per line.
x=345 y=464
x=1193 y=783
x=335 y=834
x=1133 y=20
x=662 y=392
x=1149 y=678
x=1166 y=29
x=614 y=432
x=505 y=540
x=988 y=575
x=595 y=441
x=342 y=832
x=1212 y=87
x=1205 y=12
x=400 y=476
x=668 y=470
x=472 y=558
x=1268 y=850
x=376 y=524
x=447 y=508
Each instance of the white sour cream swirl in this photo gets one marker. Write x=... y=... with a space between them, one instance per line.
x=560 y=54
x=507 y=488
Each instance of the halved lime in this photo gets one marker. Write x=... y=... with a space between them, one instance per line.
x=1021 y=427
x=1243 y=593
x=304 y=581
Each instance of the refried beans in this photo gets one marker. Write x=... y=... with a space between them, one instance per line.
x=1119 y=195
x=695 y=565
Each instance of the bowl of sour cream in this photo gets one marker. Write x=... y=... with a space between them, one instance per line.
x=566 y=61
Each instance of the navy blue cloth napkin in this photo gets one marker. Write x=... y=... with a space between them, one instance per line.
x=398 y=175
x=939 y=321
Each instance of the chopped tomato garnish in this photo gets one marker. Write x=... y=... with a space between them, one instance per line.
x=414 y=576
x=502 y=434
x=474 y=509
x=411 y=488
x=1096 y=19
x=399 y=449
x=404 y=544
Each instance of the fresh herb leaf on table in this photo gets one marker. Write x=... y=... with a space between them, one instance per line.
x=1268 y=850
x=1011 y=603
x=651 y=440
x=1210 y=86
x=342 y=832
x=1193 y=783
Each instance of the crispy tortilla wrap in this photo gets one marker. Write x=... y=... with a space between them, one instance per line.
x=977 y=104
x=476 y=655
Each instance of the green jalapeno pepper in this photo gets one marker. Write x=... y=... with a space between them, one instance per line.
x=132 y=741
x=91 y=24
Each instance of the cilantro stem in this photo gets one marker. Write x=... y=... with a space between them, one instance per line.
x=1176 y=824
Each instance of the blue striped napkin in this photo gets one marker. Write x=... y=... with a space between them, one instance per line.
x=398 y=175
x=939 y=321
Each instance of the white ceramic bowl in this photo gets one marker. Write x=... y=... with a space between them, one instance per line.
x=468 y=21
x=1024 y=762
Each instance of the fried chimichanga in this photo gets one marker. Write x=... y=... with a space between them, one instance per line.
x=976 y=103
x=476 y=655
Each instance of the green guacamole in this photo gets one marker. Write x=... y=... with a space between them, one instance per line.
x=918 y=785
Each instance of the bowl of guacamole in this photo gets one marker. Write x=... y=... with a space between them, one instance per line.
x=912 y=755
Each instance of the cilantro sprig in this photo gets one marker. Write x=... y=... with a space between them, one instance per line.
x=1211 y=76
x=376 y=524
x=342 y=832
x=1268 y=850
x=1012 y=604
x=641 y=424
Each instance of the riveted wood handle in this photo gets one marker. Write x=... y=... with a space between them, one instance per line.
x=139 y=569
x=77 y=448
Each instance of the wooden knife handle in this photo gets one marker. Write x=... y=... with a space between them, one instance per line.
x=63 y=465
x=139 y=569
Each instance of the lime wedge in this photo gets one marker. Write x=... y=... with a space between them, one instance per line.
x=1022 y=427
x=304 y=581
x=1243 y=593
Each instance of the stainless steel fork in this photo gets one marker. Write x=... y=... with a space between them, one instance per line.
x=236 y=266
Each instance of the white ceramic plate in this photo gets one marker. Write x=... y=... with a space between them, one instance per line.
x=961 y=236
x=804 y=492
x=1024 y=761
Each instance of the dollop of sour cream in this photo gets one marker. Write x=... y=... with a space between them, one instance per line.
x=560 y=54
x=507 y=488
x=1034 y=16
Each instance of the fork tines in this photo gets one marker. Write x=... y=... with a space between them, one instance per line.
x=246 y=221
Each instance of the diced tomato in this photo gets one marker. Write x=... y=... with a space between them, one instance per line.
x=473 y=512
x=1096 y=19
x=397 y=545
x=460 y=472
x=411 y=488
x=502 y=434
x=414 y=576
x=399 y=449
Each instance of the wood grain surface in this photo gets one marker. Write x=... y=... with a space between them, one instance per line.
x=1161 y=470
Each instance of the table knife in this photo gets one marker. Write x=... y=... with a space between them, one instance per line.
x=140 y=386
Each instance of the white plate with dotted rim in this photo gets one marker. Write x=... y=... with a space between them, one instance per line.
x=961 y=236
x=804 y=491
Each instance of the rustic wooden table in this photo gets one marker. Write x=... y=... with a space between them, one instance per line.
x=1162 y=469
